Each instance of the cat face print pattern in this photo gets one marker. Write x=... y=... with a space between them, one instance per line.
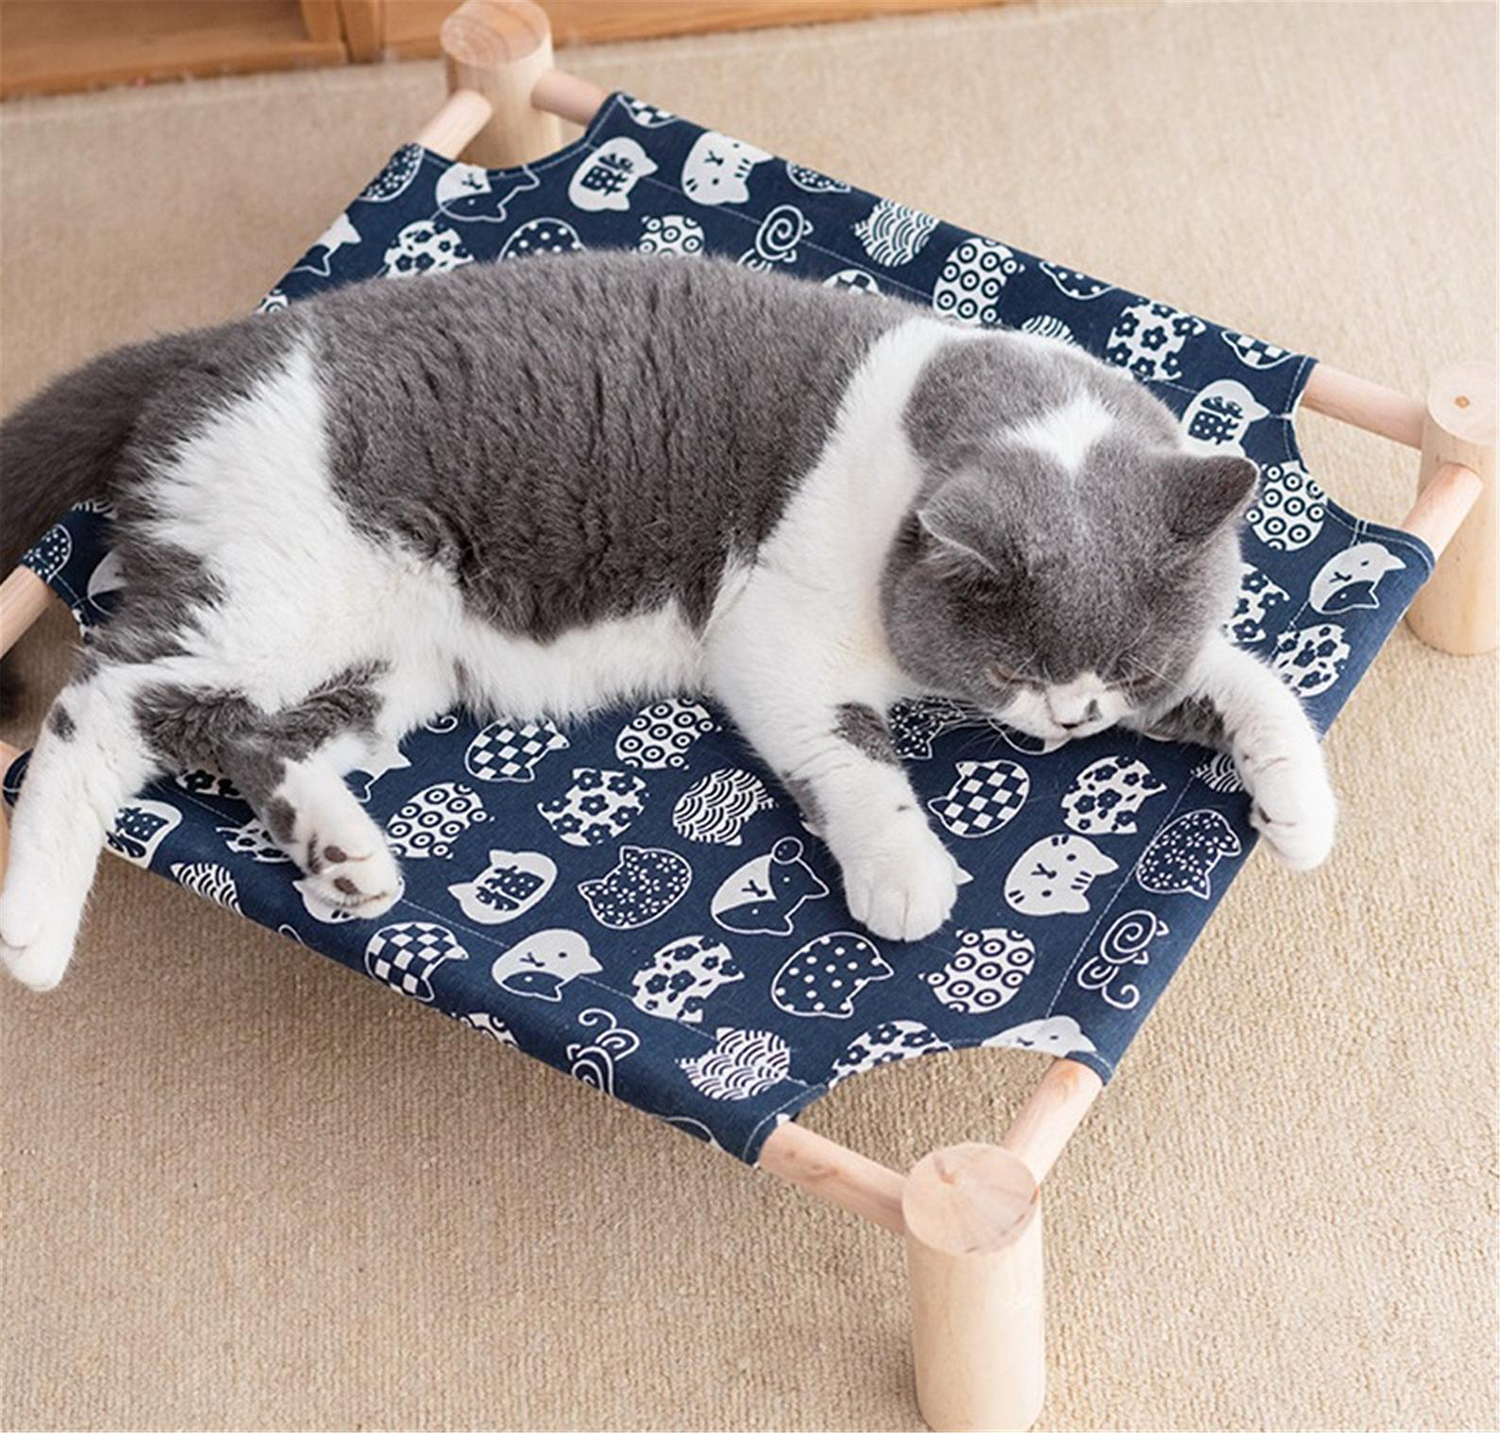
x=634 y=899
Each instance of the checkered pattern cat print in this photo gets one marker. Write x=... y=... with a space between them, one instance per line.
x=634 y=899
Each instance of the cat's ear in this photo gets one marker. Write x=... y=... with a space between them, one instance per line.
x=1203 y=495
x=955 y=523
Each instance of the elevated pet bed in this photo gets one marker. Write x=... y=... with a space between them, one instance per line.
x=635 y=900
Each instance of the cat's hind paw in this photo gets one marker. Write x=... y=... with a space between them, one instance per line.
x=34 y=947
x=364 y=883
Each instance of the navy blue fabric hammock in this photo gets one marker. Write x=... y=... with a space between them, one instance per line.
x=634 y=899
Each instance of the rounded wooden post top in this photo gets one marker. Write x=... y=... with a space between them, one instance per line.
x=1461 y=401
x=493 y=34
x=969 y=1199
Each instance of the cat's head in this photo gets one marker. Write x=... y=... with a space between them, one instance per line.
x=1062 y=571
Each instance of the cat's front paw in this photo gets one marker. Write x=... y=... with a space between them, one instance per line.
x=1292 y=805
x=903 y=884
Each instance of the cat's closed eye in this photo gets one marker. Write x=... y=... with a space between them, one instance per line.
x=1137 y=683
x=1003 y=676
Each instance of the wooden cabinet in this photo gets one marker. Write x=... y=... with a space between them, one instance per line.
x=51 y=46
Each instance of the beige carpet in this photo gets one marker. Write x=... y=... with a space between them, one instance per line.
x=243 y=1189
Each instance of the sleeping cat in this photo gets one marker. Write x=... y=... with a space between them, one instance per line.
x=542 y=488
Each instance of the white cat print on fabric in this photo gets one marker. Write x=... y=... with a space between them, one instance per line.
x=717 y=169
x=884 y=1045
x=1289 y=510
x=985 y=971
x=1219 y=416
x=670 y=234
x=469 y=192
x=972 y=280
x=681 y=976
x=1058 y=1036
x=509 y=886
x=425 y=248
x=604 y=180
x=1053 y=875
x=741 y=1065
x=542 y=964
x=335 y=237
x=776 y=240
x=537 y=238
x=1349 y=579
x=894 y=234
x=1107 y=795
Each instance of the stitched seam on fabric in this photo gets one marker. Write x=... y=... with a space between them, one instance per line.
x=442 y=919
x=760 y=1124
x=592 y=981
x=916 y=293
x=1088 y=940
x=60 y=584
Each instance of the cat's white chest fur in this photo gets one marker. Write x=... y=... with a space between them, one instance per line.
x=826 y=555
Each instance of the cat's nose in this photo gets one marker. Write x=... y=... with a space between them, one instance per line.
x=1070 y=713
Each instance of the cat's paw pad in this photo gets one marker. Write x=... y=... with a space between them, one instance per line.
x=365 y=883
x=1293 y=808
x=904 y=889
x=34 y=949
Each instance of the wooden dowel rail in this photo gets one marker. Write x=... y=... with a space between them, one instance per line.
x=1362 y=404
x=568 y=97
x=835 y=1174
x=463 y=114
x=1046 y=1122
x=23 y=598
x=843 y=1177
x=1442 y=505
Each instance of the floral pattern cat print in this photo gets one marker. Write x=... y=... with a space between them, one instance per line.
x=633 y=899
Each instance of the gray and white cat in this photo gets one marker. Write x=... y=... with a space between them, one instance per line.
x=540 y=488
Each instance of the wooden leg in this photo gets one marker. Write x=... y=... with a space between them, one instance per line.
x=1455 y=611
x=974 y=1255
x=500 y=49
x=971 y=1217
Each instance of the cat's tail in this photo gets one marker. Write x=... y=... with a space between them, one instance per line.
x=64 y=445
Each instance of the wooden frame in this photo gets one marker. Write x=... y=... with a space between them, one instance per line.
x=970 y=1215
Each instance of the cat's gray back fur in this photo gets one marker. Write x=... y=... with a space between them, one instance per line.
x=584 y=437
